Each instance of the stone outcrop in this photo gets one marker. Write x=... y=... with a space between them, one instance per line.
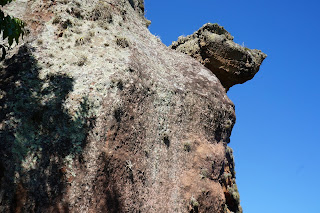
x=213 y=47
x=97 y=115
x=138 y=5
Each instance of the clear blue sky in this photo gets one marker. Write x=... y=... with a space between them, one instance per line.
x=277 y=134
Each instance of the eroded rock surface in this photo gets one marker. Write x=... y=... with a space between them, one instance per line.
x=213 y=46
x=97 y=115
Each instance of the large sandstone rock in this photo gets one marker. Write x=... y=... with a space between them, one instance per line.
x=97 y=115
x=213 y=46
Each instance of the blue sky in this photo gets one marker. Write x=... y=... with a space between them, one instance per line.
x=276 y=137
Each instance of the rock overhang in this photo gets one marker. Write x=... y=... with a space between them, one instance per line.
x=214 y=47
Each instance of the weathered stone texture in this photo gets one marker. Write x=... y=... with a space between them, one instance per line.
x=213 y=46
x=97 y=115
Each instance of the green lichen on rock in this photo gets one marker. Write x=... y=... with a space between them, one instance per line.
x=36 y=130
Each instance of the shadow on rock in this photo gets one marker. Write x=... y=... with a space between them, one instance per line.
x=37 y=135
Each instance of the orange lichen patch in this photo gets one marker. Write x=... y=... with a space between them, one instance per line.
x=108 y=138
x=205 y=149
x=206 y=192
x=36 y=19
x=70 y=179
x=199 y=180
x=194 y=184
x=63 y=170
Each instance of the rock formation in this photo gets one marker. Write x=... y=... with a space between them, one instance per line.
x=213 y=47
x=97 y=115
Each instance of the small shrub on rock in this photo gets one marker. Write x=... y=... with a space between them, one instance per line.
x=122 y=42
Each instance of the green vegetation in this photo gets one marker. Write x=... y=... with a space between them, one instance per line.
x=10 y=27
x=233 y=190
x=194 y=205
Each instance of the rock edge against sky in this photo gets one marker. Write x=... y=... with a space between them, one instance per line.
x=97 y=115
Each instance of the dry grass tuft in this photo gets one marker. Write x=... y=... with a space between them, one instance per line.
x=122 y=42
x=82 y=60
x=102 y=12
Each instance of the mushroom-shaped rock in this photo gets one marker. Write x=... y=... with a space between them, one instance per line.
x=214 y=47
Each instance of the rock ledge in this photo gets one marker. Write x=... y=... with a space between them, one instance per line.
x=213 y=46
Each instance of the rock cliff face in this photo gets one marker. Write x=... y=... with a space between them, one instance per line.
x=97 y=115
